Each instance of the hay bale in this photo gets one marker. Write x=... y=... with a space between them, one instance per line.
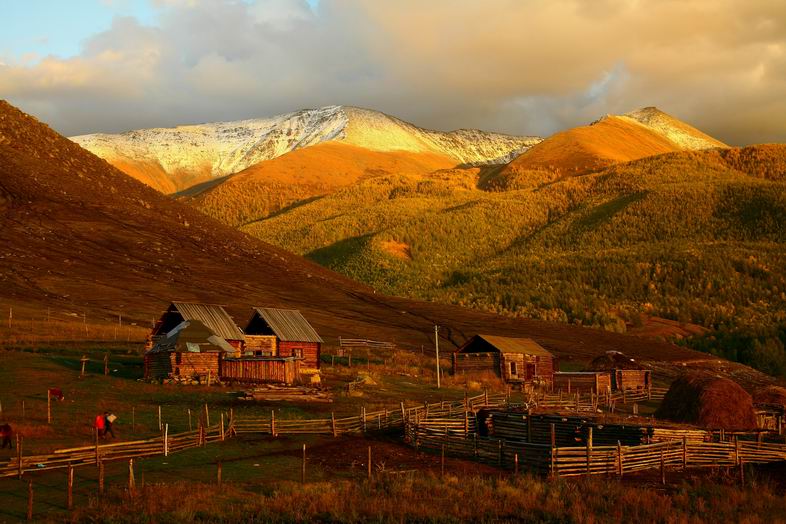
x=612 y=360
x=770 y=396
x=709 y=401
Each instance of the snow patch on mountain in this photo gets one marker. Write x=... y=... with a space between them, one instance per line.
x=225 y=148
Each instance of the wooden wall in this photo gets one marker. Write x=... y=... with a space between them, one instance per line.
x=631 y=379
x=265 y=343
x=311 y=352
x=598 y=382
x=259 y=370
x=469 y=363
x=521 y=367
x=181 y=364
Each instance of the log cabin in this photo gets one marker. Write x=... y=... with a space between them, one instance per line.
x=514 y=360
x=282 y=333
x=190 y=350
x=626 y=373
x=212 y=316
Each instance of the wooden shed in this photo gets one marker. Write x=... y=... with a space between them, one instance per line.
x=189 y=350
x=626 y=373
x=282 y=333
x=568 y=381
x=512 y=359
x=212 y=316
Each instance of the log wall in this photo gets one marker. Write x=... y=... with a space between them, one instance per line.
x=265 y=343
x=631 y=379
x=469 y=363
x=310 y=350
x=569 y=382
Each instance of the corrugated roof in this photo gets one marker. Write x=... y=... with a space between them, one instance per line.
x=289 y=325
x=191 y=331
x=212 y=316
x=526 y=346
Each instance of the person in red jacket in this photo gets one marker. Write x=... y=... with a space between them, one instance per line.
x=100 y=425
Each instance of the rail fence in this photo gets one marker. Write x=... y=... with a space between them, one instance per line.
x=99 y=453
x=555 y=451
x=382 y=420
x=577 y=400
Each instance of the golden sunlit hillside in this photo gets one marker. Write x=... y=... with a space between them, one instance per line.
x=272 y=185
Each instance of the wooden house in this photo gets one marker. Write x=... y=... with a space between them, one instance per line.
x=282 y=333
x=189 y=350
x=212 y=316
x=569 y=381
x=514 y=360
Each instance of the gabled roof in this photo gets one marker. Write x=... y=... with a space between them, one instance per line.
x=212 y=316
x=525 y=346
x=289 y=325
x=191 y=333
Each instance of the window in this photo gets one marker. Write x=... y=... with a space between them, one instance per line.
x=513 y=370
x=178 y=358
x=297 y=352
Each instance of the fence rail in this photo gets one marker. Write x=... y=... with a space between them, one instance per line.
x=588 y=459
x=92 y=455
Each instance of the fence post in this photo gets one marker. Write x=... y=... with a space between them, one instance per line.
x=189 y=419
x=466 y=423
x=363 y=415
x=485 y=397
x=218 y=473
x=222 y=427
x=589 y=448
x=333 y=423
x=529 y=426
x=619 y=459
x=70 y=488
x=166 y=440
x=131 y=481
x=501 y=446
x=19 y=454
x=736 y=450
x=273 y=422
x=742 y=472
x=369 y=463
x=207 y=416
x=635 y=408
x=403 y=413
x=30 y=499
x=516 y=464
x=101 y=477
x=48 y=407
x=684 y=452
x=133 y=419
x=303 y=467
x=160 y=426
x=95 y=432
x=662 y=468
x=106 y=364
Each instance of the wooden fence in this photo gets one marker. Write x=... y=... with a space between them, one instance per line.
x=503 y=450
x=355 y=343
x=366 y=422
x=93 y=455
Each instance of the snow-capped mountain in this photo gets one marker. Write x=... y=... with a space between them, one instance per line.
x=196 y=152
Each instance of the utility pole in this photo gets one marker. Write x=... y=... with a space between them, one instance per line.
x=436 y=345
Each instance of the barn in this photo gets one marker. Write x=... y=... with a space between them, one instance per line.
x=514 y=360
x=212 y=316
x=568 y=381
x=282 y=333
x=190 y=350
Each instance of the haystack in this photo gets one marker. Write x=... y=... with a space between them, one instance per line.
x=708 y=401
x=770 y=396
x=612 y=360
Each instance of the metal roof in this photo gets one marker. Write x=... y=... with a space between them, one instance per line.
x=289 y=325
x=191 y=331
x=212 y=316
x=525 y=346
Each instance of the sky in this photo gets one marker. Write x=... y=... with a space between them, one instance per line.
x=529 y=67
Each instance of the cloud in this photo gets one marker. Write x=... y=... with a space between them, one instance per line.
x=518 y=66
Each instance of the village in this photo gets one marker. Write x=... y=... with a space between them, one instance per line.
x=504 y=402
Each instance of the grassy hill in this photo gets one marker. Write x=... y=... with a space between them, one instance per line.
x=695 y=236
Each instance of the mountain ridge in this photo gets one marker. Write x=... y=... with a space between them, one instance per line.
x=190 y=154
